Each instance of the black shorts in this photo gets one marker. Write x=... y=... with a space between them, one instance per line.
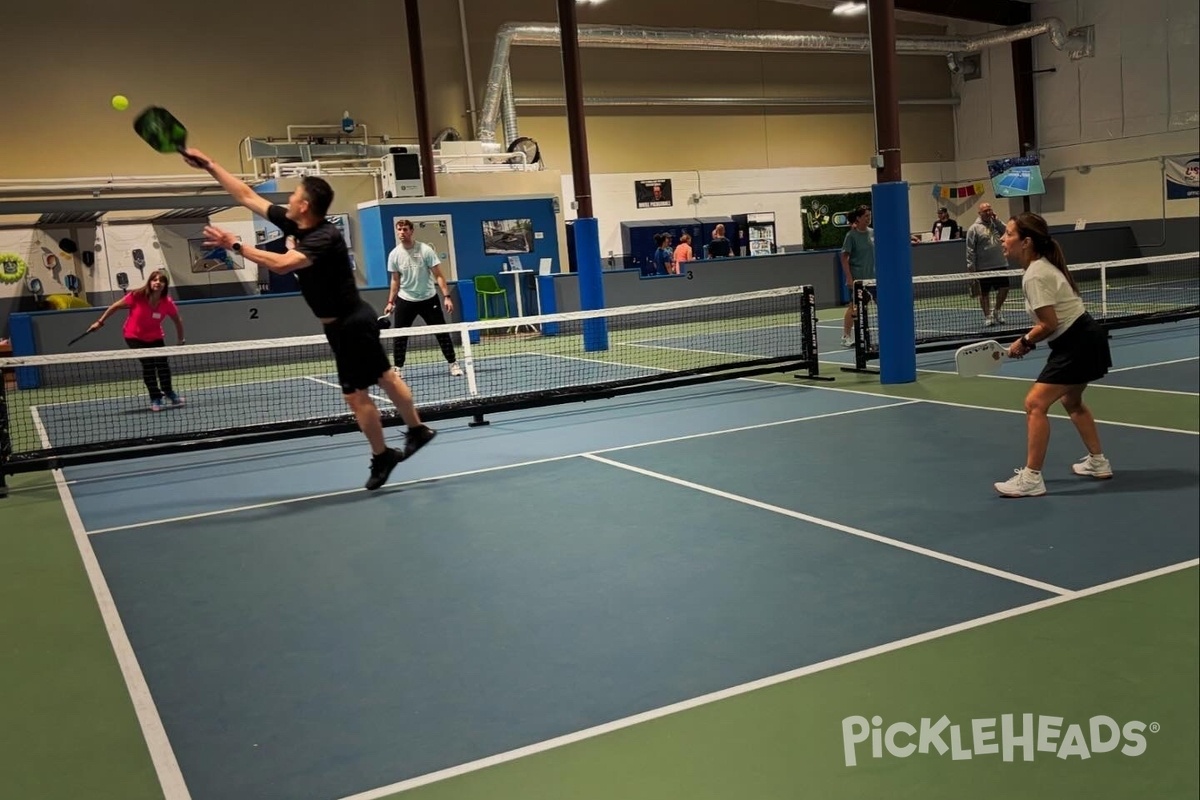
x=994 y=284
x=1079 y=355
x=357 y=351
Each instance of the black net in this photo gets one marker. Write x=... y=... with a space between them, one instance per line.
x=948 y=312
x=99 y=403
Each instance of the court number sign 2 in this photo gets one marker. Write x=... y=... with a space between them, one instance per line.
x=253 y=313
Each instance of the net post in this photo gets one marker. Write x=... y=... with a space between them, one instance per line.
x=862 y=330
x=894 y=299
x=591 y=281
x=5 y=439
x=810 y=351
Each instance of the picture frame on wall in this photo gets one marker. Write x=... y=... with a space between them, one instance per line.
x=654 y=193
x=503 y=237
x=211 y=259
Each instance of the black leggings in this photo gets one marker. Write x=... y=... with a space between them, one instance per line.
x=430 y=311
x=155 y=371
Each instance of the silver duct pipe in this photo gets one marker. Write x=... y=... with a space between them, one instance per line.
x=508 y=110
x=756 y=102
x=637 y=37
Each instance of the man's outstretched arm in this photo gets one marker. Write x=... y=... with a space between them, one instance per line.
x=237 y=188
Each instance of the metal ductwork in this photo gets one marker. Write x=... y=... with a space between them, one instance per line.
x=645 y=38
x=708 y=100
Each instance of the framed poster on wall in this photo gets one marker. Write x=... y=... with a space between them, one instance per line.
x=655 y=193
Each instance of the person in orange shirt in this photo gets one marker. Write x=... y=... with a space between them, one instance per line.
x=683 y=252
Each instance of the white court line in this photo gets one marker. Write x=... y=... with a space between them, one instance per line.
x=1056 y=415
x=373 y=392
x=170 y=777
x=762 y=683
x=837 y=526
x=499 y=467
x=1156 y=364
x=1090 y=385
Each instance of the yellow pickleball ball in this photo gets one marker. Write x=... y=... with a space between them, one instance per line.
x=120 y=102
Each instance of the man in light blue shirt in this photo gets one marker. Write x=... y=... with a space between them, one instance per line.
x=415 y=279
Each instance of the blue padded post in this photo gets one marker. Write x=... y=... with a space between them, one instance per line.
x=893 y=270
x=591 y=282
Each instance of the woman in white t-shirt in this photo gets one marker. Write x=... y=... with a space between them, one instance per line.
x=1079 y=353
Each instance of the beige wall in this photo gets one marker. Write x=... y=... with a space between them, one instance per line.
x=230 y=71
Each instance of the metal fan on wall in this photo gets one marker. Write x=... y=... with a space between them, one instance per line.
x=528 y=147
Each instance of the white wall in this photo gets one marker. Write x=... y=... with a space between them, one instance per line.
x=726 y=192
x=164 y=247
x=1104 y=123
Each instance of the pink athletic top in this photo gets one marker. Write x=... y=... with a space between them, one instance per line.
x=145 y=323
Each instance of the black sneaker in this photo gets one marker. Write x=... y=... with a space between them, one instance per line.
x=416 y=438
x=382 y=465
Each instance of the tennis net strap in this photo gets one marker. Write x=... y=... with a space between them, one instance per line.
x=90 y=403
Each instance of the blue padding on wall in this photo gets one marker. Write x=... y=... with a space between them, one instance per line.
x=20 y=331
x=374 y=248
x=591 y=282
x=468 y=307
x=549 y=302
x=893 y=270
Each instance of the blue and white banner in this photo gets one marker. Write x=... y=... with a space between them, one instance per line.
x=1183 y=177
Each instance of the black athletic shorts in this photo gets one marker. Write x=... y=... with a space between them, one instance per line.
x=357 y=351
x=1080 y=354
x=993 y=284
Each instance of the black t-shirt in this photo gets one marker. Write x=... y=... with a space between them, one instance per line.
x=955 y=230
x=327 y=283
x=719 y=248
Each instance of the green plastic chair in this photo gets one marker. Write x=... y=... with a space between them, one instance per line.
x=486 y=288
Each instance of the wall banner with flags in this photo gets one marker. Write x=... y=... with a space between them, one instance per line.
x=1183 y=177
x=954 y=192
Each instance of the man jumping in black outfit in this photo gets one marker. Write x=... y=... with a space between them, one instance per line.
x=317 y=253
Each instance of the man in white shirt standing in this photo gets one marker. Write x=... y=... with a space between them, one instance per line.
x=416 y=277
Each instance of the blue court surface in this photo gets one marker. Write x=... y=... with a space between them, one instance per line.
x=288 y=635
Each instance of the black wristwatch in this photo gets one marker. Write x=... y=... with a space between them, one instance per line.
x=237 y=247
x=1028 y=345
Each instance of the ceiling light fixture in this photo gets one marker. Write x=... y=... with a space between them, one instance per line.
x=850 y=9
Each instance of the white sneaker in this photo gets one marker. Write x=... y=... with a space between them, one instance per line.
x=989 y=321
x=998 y=318
x=1024 y=484
x=1093 y=467
x=456 y=370
x=847 y=341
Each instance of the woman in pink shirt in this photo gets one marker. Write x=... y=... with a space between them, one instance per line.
x=144 y=328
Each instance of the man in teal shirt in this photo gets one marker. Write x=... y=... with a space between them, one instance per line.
x=858 y=262
x=416 y=277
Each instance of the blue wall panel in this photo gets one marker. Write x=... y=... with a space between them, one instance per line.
x=376 y=221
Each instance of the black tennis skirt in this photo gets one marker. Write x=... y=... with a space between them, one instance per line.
x=1079 y=355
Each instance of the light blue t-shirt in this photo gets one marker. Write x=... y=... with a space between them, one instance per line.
x=415 y=267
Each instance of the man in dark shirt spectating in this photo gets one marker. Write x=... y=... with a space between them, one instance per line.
x=317 y=253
